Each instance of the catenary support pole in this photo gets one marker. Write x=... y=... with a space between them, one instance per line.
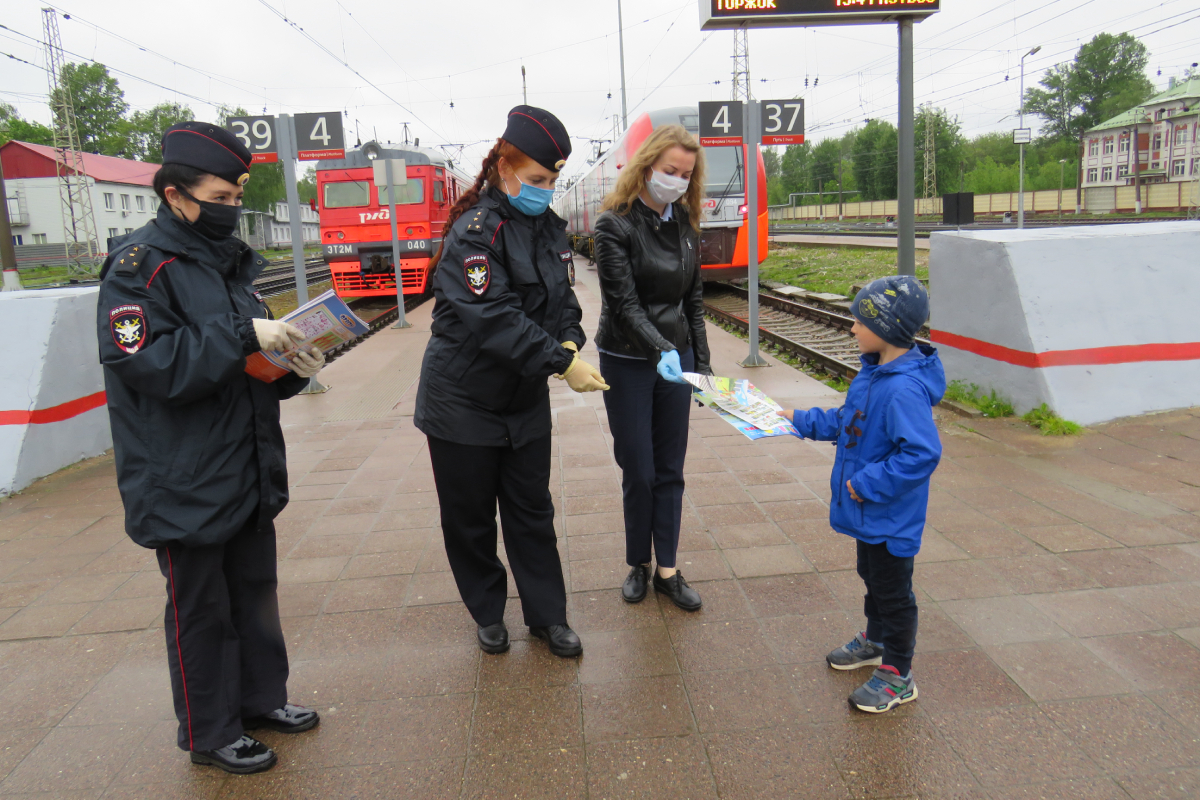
x=621 y=46
x=906 y=243
x=754 y=359
x=401 y=322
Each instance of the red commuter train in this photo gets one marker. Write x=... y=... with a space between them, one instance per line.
x=725 y=230
x=356 y=233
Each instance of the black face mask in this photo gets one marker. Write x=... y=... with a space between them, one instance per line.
x=216 y=221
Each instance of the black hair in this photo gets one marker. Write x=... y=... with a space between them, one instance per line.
x=177 y=175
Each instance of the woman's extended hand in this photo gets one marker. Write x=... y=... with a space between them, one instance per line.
x=583 y=377
x=275 y=335
x=669 y=368
x=308 y=362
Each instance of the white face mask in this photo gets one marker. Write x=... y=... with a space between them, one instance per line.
x=666 y=188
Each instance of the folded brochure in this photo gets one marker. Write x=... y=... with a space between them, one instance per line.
x=742 y=405
x=325 y=321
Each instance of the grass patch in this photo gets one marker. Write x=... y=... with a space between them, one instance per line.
x=1051 y=424
x=833 y=269
x=991 y=404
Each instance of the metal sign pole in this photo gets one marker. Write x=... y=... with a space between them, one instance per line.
x=287 y=150
x=401 y=322
x=906 y=243
x=751 y=127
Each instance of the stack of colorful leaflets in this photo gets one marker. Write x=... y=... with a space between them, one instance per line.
x=325 y=322
x=742 y=405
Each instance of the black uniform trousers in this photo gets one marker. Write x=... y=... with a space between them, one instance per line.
x=648 y=418
x=889 y=605
x=470 y=480
x=225 y=645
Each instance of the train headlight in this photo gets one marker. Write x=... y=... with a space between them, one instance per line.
x=341 y=235
x=744 y=210
x=408 y=231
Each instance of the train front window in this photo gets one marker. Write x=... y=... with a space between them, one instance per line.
x=348 y=194
x=724 y=171
x=413 y=191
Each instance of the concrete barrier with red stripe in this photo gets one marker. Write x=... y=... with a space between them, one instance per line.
x=1096 y=322
x=52 y=410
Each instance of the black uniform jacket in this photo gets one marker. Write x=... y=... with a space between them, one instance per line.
x=502 y=306
x=197 y=441
x=650 y=283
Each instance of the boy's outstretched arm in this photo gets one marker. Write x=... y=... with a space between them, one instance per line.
x=909 y=425
x=821 y=424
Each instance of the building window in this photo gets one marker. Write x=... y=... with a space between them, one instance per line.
x=1158 y=115
x=1181 y=136
x=113 y=233
x=1157 y=142
x=1123 y=145
x=1108 y=145
x=1123 y=171
x=39 y=238
x=1177 y=167
x=124 y=202
x=109 y=200
x=129 y=230
x=1106 y=174
x=1196 y=166
x=17 y=240
x=1091 y=175
x=1093 y=147
x=141 y=201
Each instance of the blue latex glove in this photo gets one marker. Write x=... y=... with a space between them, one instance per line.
x=669 y=368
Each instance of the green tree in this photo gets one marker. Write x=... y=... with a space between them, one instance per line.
x=13 y=127
x=825 y=160
x=948 y=149
x=875 y=152
x=306 y=184
x=794 y=168
x=100 y=109
x=147 y=128
x=1107 y=76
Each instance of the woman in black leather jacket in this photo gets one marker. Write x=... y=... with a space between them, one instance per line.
x=651 y=331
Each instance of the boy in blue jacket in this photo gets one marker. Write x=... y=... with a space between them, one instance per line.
x=887 y=449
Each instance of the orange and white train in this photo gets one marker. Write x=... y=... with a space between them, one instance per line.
x=725 y=229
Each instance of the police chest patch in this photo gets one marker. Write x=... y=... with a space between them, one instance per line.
x=565 y=256
x=128 y=326
x=478 y=272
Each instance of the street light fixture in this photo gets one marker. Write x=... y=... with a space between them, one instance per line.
x=1021 y=178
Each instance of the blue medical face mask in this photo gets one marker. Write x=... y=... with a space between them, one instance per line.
x=532 y=200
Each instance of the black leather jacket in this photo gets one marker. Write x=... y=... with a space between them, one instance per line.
x=652 y=290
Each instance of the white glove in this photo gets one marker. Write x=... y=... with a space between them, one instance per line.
x=275 y=335
x=307 y=363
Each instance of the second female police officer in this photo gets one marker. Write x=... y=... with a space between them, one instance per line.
x=504 y=320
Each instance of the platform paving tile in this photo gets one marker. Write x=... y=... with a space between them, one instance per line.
x=1057 y=655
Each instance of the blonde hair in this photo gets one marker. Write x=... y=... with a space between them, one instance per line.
x=632 y=179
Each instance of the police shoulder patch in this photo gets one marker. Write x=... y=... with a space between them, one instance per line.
x=128 y=326
x=478 y=273
x=565 y=256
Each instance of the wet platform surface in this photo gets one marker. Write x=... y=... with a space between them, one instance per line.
x=1057 y=657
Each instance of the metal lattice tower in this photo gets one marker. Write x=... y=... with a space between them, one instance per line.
x=75 y=194
x=930 y=152
x=741 y=65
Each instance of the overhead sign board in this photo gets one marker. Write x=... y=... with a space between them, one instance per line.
x=720 y=123
x=380 y=171
x=320 y=136
x=722 y=14
x=782 y=121
x=1022 y=135
x=258 y=134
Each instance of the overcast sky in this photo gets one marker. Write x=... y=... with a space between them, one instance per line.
x=422 y=56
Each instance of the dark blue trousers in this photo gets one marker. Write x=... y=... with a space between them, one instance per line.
x=890 y=605
x=648 y=418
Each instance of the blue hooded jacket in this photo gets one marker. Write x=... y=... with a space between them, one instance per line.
x=887 y=447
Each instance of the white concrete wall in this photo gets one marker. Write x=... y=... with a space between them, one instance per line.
x=56 y=362
x=1072 y=289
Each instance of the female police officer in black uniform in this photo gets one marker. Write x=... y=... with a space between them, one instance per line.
x=199 y=450
x=504 y=320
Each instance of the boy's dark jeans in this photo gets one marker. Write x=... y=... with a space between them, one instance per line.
x=890 y=605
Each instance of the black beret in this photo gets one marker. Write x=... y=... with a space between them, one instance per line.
x=208 y=148
x=538 y=134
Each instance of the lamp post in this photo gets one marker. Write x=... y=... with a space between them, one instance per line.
x=1021 y=177
x=1062 y=177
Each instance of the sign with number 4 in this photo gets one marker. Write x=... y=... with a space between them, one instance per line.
x=720 y=123
x=320 y=136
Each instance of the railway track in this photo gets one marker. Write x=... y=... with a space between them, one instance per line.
x=378 y=315
x=277 y=280
x=811 y=334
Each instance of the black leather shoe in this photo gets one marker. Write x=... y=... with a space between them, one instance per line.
x=676 y=588
x=493 y=638
x=563 y=641
x=244 y=757
x=636 y=583
x=289 y=719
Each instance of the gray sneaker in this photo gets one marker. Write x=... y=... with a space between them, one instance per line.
x=884 y=691
x=858 y=652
